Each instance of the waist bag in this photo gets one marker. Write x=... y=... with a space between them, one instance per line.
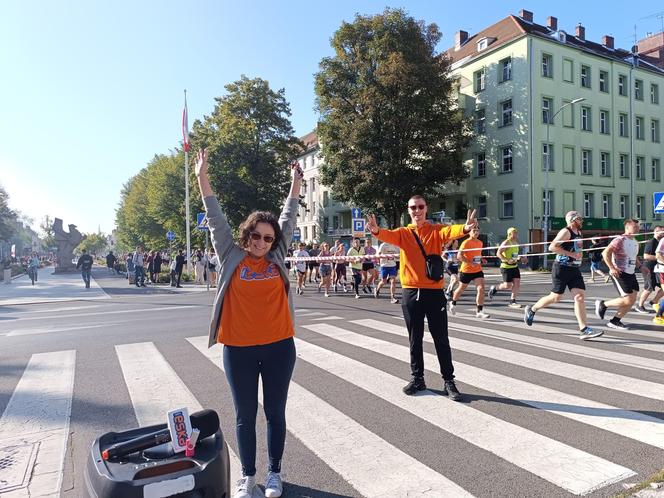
x=434 y=264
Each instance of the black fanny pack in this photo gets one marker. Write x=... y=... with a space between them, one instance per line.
x=434 y=264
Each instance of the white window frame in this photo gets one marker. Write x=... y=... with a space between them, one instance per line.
x=586 y=162
x=506 y=112
x=624 y=201
x=506 y=69
x=588 y=201
x=606 y=205
x=605 y=164
x=506 y=156
x=505 y=202
x=586 y=117
x=604 y=122
x=481 y=162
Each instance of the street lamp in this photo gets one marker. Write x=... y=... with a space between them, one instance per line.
x=547 y=196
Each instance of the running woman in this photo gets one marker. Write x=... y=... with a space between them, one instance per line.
x=388 y=270
x=340 y=267
x=470 y=255
x=451 y=267
x=622 y=258
x=369 y=272
x=508 y=253
x=566 y=274
x=325 y=269
x=301 y=267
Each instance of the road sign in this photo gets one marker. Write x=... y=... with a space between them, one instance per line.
x=170 y=235
x=658 y=202
x=201 y=221
x=356 y=213
x=358 y=227
x=296 y=234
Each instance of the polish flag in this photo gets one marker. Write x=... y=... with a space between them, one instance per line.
x=185 y=127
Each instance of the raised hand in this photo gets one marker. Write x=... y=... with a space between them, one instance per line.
x=471 y=221
x=372 y=224
x=298 y=174
x=201 y=166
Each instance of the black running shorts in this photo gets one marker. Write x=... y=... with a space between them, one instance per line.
x=566 y=277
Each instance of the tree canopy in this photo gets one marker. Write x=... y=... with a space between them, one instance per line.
x=389 y=125
x=7 y=216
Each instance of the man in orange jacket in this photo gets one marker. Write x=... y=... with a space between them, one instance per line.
x=423 y=296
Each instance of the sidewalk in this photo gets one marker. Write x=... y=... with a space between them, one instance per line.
x=49 y=288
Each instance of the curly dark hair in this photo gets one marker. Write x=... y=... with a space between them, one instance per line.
x=249 y=225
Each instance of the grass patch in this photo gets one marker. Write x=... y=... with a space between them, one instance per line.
x=658 y=477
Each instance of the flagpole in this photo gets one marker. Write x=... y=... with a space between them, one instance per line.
x=186 y=184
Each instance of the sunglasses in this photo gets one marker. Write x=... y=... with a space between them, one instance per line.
x=417 y=206
x=257 y=236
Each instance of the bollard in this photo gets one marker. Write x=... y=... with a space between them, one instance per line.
x=7 y=275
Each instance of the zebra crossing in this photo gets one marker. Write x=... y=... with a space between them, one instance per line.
x=551 y=415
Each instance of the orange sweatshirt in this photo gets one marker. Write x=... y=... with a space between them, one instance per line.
x=412 y=270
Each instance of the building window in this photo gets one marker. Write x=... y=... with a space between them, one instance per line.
x=622 y=125
x=506 y=69
x=480 y=121
x=480 y=164
x=654 y=93
x=624 y=202
x=326 y=198
x=624 y=167
x=638 y=89
x=547 y=66
x=568 y=115
x=326 y=225
x=547 y=103
x=585 y=76
x=482 y=44
x=586 y=162
x=622 y=85
x=507 y=205
x=506 y=159
x=640 y=168
x=604 y=122
x=547 y=157
x=568 y=70
x=481 y=206
x=640 y=202
x=586 y=118
x=313 y=232
x=654 y=169
x=588 y=205
x=506 y=112
x=604 y=164
x=606 y=206
x=547 y=202
x=638 y=128
x=654 y=130
x=480 y=80
x=604 y=81
x=568 y=159
x=335 y=221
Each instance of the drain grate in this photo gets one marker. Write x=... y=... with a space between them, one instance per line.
x=15 y=465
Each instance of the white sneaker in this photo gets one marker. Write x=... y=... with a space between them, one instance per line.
x=327 y=294
x=245 y=487
x=452 y=309
x=482 y=315
x=514 y=305
x=273 y=485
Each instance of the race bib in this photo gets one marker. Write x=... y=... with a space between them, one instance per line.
x=477 y=260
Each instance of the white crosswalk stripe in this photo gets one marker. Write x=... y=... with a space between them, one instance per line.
x=35 y=422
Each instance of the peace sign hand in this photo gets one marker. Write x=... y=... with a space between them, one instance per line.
x=471 y=221
x=372 y=224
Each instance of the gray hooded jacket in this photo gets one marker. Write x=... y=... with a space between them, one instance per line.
x=230 y=254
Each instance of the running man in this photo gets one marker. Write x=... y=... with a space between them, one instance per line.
x=622 y=258
x=566 y=274
x=369 y=272
x=313 y=265
x=339 y=250
x=356 y=265
x=651 y=280
x=595 y=254
x=388 y=270
x=508 y=253
x=470 y=255
x=451 y=267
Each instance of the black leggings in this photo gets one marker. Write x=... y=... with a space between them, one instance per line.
x=357 y=278
x=274 y=363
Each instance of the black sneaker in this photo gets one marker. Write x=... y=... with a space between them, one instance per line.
x=492 y=292
x=414 y=386
x=600 y=309
x=450 y=390
x=641 y=309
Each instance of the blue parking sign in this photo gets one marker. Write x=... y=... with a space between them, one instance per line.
x=658 y=202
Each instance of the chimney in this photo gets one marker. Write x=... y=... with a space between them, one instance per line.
x=552 y=23
x=459 y=39
x=526 y=15
x=607 y=41
x=580 y=32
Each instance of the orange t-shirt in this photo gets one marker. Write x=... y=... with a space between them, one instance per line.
x=255 y=309
x=475 y=256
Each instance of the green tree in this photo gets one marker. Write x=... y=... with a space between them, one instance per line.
x=250 y=143
x=94 y=243
x=7 y=216
x=389 y=125
x=48 y=234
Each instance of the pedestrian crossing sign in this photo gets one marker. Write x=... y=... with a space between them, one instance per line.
x=658 y=202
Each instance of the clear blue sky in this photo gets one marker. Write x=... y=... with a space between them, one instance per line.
x=91 y=90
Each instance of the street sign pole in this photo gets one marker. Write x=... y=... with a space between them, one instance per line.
x=207 y=255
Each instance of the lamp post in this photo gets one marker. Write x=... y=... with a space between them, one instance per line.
x=547 y=197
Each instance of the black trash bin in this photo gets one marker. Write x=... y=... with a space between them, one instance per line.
x=535 y=262
x=206 y=475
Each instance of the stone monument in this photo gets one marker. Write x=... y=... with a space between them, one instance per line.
x=66 y=242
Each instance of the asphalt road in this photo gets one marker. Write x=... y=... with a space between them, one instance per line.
x=544 y=413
